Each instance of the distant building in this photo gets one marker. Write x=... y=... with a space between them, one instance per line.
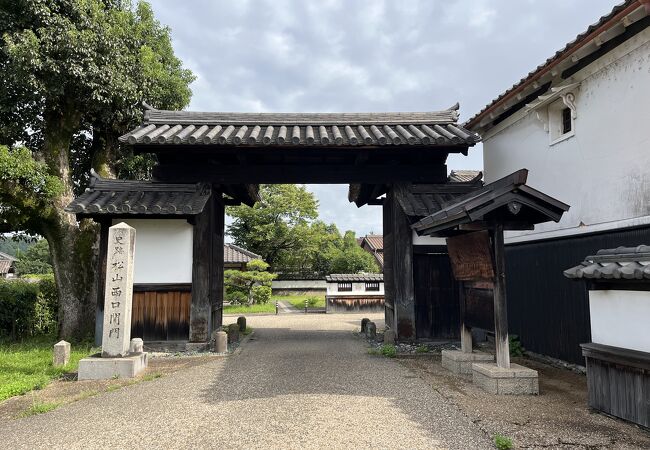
x=363 y=292
x=7 y=266
x=374 y=244
x=235 y=257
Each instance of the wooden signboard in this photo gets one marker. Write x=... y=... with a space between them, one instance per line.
x=471 y=259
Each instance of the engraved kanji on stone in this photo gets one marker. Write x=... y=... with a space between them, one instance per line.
x=115 y=318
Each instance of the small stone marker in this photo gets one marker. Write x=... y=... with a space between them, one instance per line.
x=61 y=354
x=389 y=336
x=233 y=333
x=371 y=330
x=118 y=294
x=241 y=321
x=137 y=346
x=364 y=322
x=220 y=342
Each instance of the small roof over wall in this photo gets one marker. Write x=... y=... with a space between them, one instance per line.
x=354 y=277
x=6 y=261
x=233 y=254
x=105 y=197
x=621 y=263
x=508 y=201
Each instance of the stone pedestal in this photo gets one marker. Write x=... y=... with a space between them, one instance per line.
x=460 y=362
x=61 y=355
x=103 y=368
x=515 y=380
x=220 y=342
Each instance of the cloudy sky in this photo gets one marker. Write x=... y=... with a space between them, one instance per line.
x=372 y=55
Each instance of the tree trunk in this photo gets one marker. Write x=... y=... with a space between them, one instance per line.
x=74 y=246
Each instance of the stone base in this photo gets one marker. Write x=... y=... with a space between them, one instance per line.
x=517 y=380
x=98 y=368
x=459 y=362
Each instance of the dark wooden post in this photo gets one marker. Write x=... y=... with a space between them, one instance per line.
x=389 y=291
x=101 y=280
x=402 y=266
x=500 y=306
x=201 y=275
x=216 y=289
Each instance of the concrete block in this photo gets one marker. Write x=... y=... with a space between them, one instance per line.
x=460 y=362
x=389 y=337
x=516 y=380
x=220 y=342
x=61 y=355
x=98 y=368
x=137 y=346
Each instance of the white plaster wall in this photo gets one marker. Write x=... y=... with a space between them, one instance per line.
x=163 y=250
x=358 y=290
x=298 y=284
x=603 y=172
x=620 y=319
x=428 y=240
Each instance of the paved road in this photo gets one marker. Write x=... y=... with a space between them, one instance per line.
x=304 y=382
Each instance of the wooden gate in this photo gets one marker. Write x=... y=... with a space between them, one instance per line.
x=437 y=303
x=161 y=315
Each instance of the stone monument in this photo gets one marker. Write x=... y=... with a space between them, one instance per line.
x=61 y=355
x=119 y=358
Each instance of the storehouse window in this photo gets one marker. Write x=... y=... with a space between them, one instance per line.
x=561 y=116
x=372 y=285
x=345 y=286
x=566 y=121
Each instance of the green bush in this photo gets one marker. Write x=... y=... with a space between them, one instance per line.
x=388 y=350
x=313 y=301
x=28 y=307
x=516 y=349
x=502 y=442
x=261 y=294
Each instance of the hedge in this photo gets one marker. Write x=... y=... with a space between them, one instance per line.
x=28 y=306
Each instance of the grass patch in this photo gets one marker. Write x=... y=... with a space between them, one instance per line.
x=422 y=349
x=151 y=376
x=86 y=394
x=113 y=387
x=252 y=309
x=39 y=408
x=27 y=365
x=387 y=350
x=502 y=442
x=247 y=331
x=298 y=301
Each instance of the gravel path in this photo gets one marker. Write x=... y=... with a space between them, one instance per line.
x=302 y=381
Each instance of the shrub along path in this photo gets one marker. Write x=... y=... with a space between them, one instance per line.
x=302 y=381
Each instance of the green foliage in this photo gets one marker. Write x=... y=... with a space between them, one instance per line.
x=422 y=349
x=263 y=308
x=35 y=260
x=516 y=349
x=27 y=365
x=388 y=350
x=283 y=228
x=277 y=226
x=502 y=442
x=40 y=408
x=251 y=286
x=28 y=308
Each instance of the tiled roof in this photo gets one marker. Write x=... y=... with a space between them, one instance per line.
x=234 y=254
x=421 y=204
x=354 y=277
x=622 y=263
x=508 y=197
x=465 y=176
x=375 y=241
x=121 y=197
x=5 y=256
x=5 y=265
x=278 y=129
x=561 y=54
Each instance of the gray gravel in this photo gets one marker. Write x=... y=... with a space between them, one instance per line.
x=302 y=381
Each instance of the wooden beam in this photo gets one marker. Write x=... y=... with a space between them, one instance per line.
x=201 y=275
x=449 y=188
x=500 y=305
x=101 y=280
x=216 y=280
x=402 y=266
x=301 y=173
